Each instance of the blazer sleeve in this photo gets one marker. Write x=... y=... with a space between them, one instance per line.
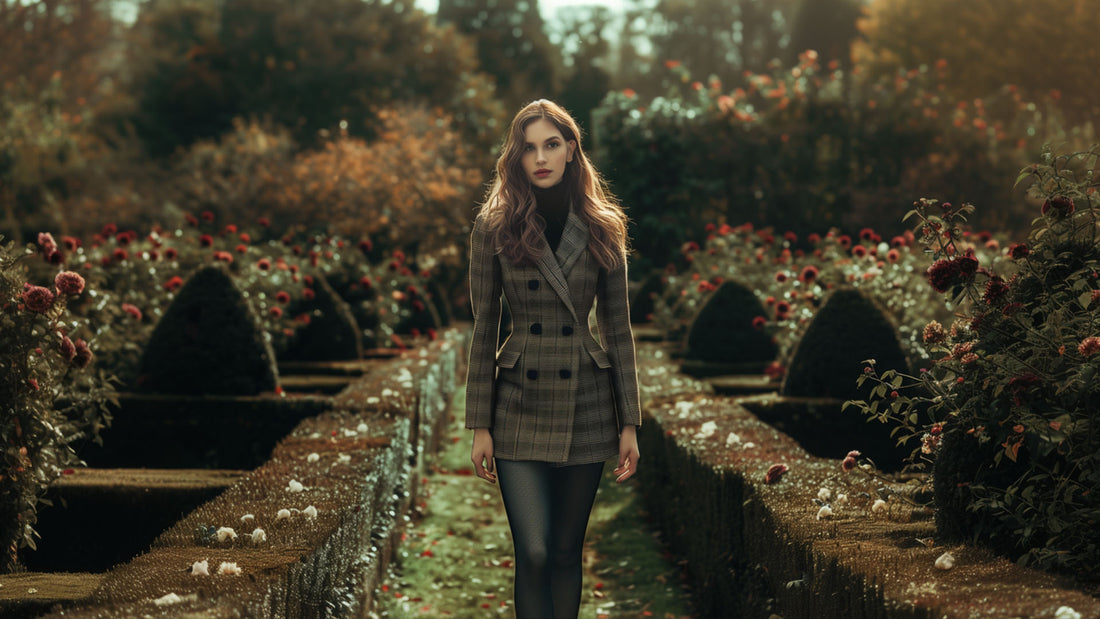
x=485 y=293
x=613 y=318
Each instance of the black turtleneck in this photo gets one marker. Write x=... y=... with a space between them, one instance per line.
x=553 y=204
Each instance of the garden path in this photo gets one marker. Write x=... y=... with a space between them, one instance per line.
x=455 y=558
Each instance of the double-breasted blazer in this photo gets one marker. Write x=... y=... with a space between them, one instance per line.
x=527 y=390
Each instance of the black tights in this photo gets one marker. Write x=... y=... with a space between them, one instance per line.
x=548 y=510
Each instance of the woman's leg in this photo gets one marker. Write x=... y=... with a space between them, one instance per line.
x=574 y=490
x=525 y=488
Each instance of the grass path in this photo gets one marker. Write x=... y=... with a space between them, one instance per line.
x=456 y=556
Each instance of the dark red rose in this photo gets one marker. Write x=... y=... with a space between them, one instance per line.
x=809 y=273
x=173 y=284
x=1058 y=206
x=37 y=298
x=69 y=283
x=83 y=354
x=995 y=290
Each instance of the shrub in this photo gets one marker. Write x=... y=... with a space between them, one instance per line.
x=848 y=329
x=330 y=331
x=642 y=304
x=49 y=397
x=807 y=148
x=409 y=189
x=729 y=329
x=1010 y=421
x=208 y=342
x=790 y=275
x=236 y=175
x=146 y=271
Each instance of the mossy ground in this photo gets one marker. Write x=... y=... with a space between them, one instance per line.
x=455 y=559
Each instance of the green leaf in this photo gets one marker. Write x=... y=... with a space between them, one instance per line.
x=1085 y=299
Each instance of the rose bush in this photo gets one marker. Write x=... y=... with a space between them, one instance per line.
x=809 y=147
x=136 y=276
x=1006 y=414
x=50 y=396
x=791 y=276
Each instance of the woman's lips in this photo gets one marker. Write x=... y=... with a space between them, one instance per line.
x=542 y=173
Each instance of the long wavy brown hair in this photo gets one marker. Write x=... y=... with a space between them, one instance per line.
x=509 y=206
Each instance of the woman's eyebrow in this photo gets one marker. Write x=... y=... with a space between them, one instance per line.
x=553 y=137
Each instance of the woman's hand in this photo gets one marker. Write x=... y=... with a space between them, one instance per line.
x=482 y=455
x=628 y=454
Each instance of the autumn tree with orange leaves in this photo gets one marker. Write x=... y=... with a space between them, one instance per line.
x=412 y=188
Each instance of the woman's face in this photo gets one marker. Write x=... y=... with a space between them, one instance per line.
x=545 y=153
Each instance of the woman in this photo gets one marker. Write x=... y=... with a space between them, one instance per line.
x=553 y=403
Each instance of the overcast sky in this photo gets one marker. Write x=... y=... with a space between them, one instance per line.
x=546 y=7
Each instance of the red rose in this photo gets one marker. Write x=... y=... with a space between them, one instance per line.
x=69 y=283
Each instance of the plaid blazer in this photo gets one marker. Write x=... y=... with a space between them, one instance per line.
x=550 y=303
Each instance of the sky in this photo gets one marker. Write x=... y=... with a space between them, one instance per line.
x=546 y=7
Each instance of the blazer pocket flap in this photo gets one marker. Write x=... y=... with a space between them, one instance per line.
x=507 y=358
x=599 y=355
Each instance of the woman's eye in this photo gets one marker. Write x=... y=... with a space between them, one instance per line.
x=552 y=145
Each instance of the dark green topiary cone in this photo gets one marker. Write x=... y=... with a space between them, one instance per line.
x=437 y=296
x=208 y=342
x=641 y=304
x=723 y=331
x=848 y=329
x=332 y=333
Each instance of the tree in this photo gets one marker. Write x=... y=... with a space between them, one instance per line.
x=1040 y=46
x=512 y=46
x=719 y=37
x=49 y=39
x=827 y=27
x=580 y=35
x=315 y=68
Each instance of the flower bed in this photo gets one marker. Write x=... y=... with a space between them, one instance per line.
x=755 y=548
x=344 y=478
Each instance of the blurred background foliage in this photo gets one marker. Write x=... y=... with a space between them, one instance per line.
x=363 y=116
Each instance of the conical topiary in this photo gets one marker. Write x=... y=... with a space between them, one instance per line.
x=332 y=333
x=728 y=330
x=438 y=298
x=848 y=329
x=208 y=342
x=641 y=303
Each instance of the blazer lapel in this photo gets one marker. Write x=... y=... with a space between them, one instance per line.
x=574 y=240
x=551 y=270
x=554 y=266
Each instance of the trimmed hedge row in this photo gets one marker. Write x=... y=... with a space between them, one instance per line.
x=357 y=467
x=755 y=548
